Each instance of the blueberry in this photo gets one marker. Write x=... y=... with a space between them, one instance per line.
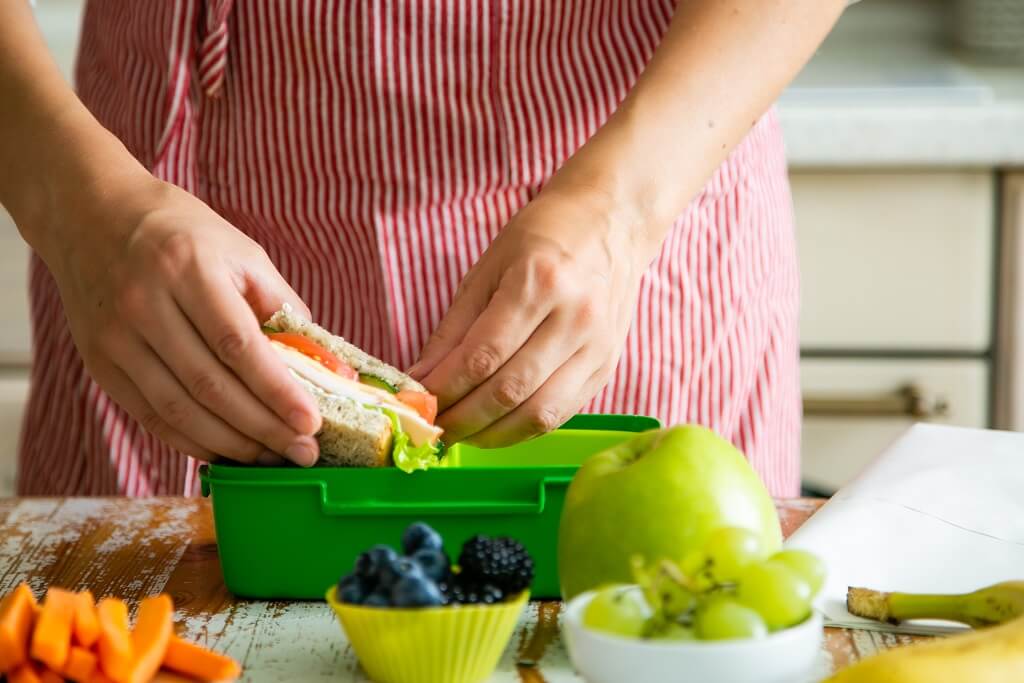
x=420 y=535
x=392 y=573
x=351 y=589
x=416 y=591
x=369 y=564
x=434 y=563
x=377 y=599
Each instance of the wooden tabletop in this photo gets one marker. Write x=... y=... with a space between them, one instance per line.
x=137 y=547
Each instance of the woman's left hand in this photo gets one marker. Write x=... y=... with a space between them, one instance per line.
x=537 y=325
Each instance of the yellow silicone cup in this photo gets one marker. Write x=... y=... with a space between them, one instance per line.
x=460 y=644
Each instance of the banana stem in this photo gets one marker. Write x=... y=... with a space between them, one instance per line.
x=903 y=606
x=896 y=607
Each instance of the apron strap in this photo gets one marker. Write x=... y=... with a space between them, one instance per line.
x=210 y=63
x=213 y=53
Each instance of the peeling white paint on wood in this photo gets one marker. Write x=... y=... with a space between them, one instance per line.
x=302 y=641
x=137 y=547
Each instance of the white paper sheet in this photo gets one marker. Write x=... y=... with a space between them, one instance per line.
x=940 y=511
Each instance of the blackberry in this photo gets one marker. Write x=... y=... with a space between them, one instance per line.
x=463 y=591
x=502 y=562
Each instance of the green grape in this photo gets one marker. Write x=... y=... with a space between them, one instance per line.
x=694 y=566
x=729 y=550
x=726 y=619
x=673 y=631
x=805 y=565
x=620 y=610
x=693 y=562
x=776 y=593
x=675 y=600
x=646 y=578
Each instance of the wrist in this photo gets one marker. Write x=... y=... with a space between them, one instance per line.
x=77 y=176
x=624 y=218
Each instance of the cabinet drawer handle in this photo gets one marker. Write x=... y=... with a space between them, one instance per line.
x=907 y=401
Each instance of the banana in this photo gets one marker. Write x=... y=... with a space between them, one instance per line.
x=985 y=607
x=992 y=655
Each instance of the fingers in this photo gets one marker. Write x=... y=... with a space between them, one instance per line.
x=229 y=328
x=117 y=385
x=556 y=401
x=267 y=291
x=469 y=300
x=174 y=406
x=551 y=346
x=171 y=335
x=495 y=336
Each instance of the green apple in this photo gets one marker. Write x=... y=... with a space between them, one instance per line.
x=658 y=495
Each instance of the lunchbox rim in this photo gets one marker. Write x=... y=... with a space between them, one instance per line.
x=585 y=422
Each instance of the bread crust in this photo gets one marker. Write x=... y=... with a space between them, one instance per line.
x=287 y=320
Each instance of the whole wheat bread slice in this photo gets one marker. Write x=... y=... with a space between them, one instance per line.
x=350 y=435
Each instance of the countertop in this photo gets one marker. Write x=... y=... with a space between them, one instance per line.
x=138 y=547
x=889 y=88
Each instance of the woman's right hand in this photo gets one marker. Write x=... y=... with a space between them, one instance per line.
x=164 y=300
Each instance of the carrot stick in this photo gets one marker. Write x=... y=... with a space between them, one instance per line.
x=86 y=628
x=17 y=614
x=81 y=664
x=50 y=676
x=51 y=638
x=26 y=673
x=198 y=662
x=152 y=632
x=115 y=643
x=97 y=677
x=167 y=676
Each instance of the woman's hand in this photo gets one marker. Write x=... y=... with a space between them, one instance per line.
x=164 y=300
x=537 y=325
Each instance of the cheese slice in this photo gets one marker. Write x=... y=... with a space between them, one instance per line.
x=419 y=430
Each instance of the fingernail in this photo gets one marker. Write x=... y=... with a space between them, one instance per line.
x=302 y=453
x=270 y=459
x=303 y=422
x=414 y=370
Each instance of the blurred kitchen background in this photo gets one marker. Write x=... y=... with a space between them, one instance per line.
x=906 y=146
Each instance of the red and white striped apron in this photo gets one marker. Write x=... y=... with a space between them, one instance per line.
x=375 y=148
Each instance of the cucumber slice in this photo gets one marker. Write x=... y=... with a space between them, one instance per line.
x=267 y=329
x=372 y=381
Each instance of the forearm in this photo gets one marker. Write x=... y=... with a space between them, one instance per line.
x=718 y=69
x=52 y=150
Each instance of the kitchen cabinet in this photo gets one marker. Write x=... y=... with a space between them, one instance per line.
x=896 y=260
x=13 y=392
x=898 y=305
x=856 y=407
x=15 y=346
x=15 y=352
x=1009 y=390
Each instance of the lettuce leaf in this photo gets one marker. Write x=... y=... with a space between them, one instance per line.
x=407 y=457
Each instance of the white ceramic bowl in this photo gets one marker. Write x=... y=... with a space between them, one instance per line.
x=788 y=656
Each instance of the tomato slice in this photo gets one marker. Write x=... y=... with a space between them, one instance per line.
x=308 y=347
x=423 y=403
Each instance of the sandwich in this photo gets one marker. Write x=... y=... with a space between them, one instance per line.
x=373 y=414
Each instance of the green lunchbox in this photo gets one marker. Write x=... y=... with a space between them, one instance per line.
x=289 y=533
